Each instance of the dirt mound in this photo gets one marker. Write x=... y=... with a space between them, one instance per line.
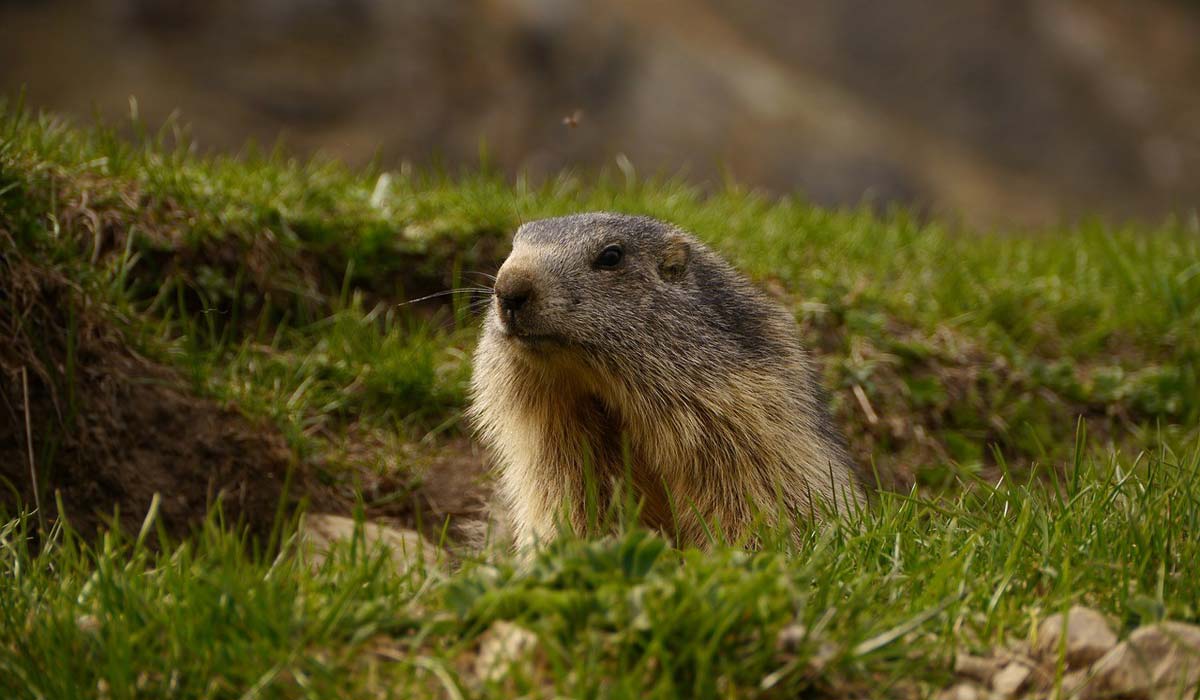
x=109 y=428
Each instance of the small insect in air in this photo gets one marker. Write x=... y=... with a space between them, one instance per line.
x=572 y=120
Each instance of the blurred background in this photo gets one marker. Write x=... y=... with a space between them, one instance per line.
x=994 y=112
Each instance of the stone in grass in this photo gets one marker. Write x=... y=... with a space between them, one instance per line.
x=1011 y=679
x=407 y=548
x=790 y=638
x=977 y=668
x=1088 y=637
x=1074 y=684
x=1158 y=662
x=962 y=691
x=502 y=645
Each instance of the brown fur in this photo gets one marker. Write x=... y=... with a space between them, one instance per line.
x=671 y=353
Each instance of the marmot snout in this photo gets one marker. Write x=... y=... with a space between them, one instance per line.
x=615 y=339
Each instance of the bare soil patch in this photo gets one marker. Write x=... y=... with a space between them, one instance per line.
x=110 y=428
x=435 y=486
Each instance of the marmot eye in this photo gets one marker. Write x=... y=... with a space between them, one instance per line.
x=610 y=257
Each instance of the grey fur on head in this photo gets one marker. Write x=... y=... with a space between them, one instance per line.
x=609 y=330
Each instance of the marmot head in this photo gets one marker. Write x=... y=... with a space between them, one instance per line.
x=621 y=291
x=584 y=279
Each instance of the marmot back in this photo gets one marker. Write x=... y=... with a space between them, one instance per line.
x=619 y=344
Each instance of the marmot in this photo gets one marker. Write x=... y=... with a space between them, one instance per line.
x=618 y=345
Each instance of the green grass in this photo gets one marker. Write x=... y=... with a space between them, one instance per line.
x=885 y=602
x=277 y=287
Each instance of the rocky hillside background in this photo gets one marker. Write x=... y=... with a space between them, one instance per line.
x=1002 y=112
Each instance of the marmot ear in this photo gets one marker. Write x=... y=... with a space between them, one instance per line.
x=675 y=259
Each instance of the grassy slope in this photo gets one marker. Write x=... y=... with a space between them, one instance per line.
x=273 y=285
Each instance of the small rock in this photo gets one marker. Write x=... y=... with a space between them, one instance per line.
x=407 y=548
x=502 y=645
x=790 y=638
x=87 y=623
x=1011 y=679
x=1161 y=662
x=1073 y=683
x=960 y=691
x=978 y=668
x=1088 y=637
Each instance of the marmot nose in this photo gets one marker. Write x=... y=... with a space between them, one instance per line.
x=513 y=301
x=513 y=291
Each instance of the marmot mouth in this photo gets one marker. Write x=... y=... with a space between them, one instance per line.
x=533 y=340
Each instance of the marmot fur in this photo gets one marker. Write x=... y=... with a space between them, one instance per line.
x=620 y=345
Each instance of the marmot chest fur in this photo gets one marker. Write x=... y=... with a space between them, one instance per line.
x=620 y=345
